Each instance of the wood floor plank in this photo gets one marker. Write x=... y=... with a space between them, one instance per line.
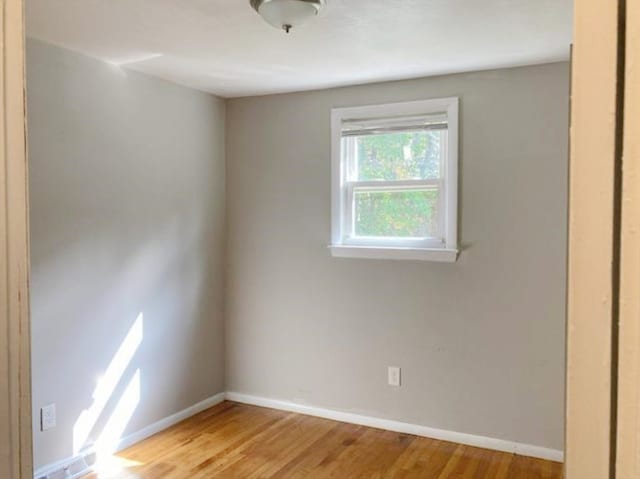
x=499 y=466
x=316 y=461
x=235 y=441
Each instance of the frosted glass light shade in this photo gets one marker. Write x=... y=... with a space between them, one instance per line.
x=287 y=14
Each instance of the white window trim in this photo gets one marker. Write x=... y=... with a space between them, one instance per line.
x=378 y=248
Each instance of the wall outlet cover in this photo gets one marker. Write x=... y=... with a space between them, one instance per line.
x=48 y=417
x=394 y=376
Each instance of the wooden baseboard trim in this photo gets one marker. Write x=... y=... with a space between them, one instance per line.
x=403 y=427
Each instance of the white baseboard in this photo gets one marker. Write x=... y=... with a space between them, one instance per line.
x=167 y=422
x=403 y=427
x=135 y=437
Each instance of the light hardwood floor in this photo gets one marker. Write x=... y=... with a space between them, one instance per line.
x=233 y=440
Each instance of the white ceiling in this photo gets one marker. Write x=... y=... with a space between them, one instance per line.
x=224 y=47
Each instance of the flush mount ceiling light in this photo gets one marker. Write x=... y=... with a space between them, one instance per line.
x=286 y=14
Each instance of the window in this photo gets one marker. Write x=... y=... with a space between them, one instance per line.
x=395 y=180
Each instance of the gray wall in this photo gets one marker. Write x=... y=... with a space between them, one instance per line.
x=127 y=217
x=481 y=341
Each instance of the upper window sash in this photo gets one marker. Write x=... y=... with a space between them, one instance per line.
x=351 y=159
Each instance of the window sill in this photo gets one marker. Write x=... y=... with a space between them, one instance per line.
x=440 y=255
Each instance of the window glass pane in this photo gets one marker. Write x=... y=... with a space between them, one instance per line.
x=408 y=214
x=415 y=155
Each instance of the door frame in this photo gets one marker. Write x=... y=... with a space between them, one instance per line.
x=593 y=289
x=15 y=369
x=628 y=427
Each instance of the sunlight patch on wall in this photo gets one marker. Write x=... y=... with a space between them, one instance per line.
x=107 y=384
x=109 y=439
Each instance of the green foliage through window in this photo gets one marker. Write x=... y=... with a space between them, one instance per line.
x=399 y=156
x=397 y=213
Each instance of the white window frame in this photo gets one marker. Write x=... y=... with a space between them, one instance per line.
x=342 y=192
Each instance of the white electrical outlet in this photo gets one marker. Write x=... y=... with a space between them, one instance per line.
x=48 y=417
x=394 y=376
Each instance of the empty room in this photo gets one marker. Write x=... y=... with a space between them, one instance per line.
x=298 y=238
